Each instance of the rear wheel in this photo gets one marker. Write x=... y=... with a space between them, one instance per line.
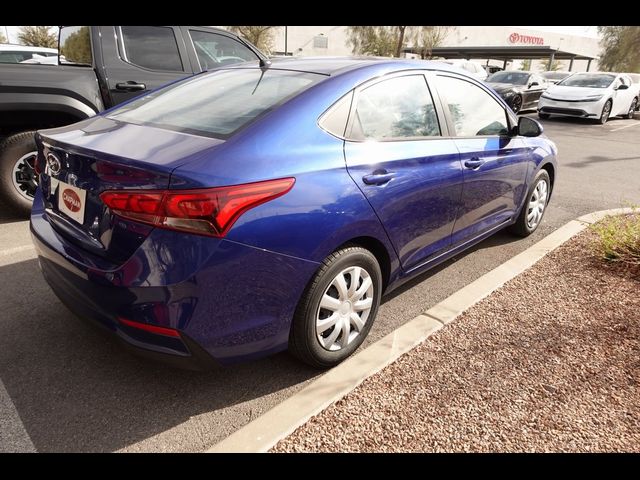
x=632 y=108
x=606 y=112
x=535 y=207
x=18 y=180
x=337 y=309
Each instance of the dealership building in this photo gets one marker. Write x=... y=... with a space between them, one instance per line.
x=500 y=46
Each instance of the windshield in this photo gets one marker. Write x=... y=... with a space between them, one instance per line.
x=555 y=75
x=516 y=78
x=215 y=104
x=593 y=80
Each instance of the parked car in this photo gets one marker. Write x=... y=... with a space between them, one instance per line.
x=520 y=89
x=10 y=53
x=555 y=76
x=591 y=95
x=243 y=211
x=635 y=79
x=475 y=69
x=100 y=67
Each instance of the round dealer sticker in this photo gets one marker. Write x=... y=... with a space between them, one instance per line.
x=71 y=200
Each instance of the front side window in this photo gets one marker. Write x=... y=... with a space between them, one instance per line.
x=397 y=108
x=474 y=112
x=215 y=50
x=75 y=46
x=154 y=48
x=215 y=104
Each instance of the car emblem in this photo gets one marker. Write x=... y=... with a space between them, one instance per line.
x=54 y=164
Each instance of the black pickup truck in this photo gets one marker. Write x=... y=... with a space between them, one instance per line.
x=99 y=67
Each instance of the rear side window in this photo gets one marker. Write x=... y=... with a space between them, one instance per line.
x=218 y=103
x=216 y=50
x=474 y=112
x=75 y=46
x=398 y=108
x=154 y=48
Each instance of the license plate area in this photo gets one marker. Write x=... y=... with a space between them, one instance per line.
x=72 y=201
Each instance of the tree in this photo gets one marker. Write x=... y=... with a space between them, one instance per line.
x=2 y=39
x=377 y=40
x=77 y=47
x=425 y=38
x=621 y=48
x=526 y=65
x=544 y=66
x=260 y=36
x=38 y=36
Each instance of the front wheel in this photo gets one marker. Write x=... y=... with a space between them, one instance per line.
x=632 y=108
x=535 y=207
x=606 y=112
x=337 y=309
x=516 y=104
x=18 y=180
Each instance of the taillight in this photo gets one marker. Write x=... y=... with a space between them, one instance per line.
x=207 y=211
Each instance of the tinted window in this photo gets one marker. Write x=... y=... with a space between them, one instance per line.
x=215 y=50
x=396 y=108
x=154 y=48
x=516 y=78
x=473 y=111
x=589 y=80
x=216 y=104
x=335 y=120
x=75 y=45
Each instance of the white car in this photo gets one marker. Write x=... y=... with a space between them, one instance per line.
x=474 y=69
x=597 y=95
x=10 y=53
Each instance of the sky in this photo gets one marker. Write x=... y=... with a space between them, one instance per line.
x=571 y=30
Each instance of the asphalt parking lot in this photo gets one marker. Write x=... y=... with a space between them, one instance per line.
x=66 y=387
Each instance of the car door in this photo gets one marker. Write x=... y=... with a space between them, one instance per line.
x=208 y=50
x=143 y=58
x=494 y=163
x=398 y=152
x=622 y=97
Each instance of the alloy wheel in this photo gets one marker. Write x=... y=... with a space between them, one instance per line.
x=24 y=175
x=516 y=104
x=606 y=110
x=344 y=308
x=537 y=204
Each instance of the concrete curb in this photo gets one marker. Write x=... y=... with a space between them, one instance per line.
x=267 y=430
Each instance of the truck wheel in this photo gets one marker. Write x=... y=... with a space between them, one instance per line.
x=18 y=180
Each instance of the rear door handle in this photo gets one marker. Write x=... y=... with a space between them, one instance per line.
x=473 y=163
x=131 y=86
x=378 y=178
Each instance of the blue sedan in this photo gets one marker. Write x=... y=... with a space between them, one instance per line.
x=252 y=209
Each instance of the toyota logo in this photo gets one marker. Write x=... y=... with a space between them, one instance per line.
x=53 y=163
x=514 y=37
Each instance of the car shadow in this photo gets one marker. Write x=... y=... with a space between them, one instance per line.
x=77 y=389
x=7 y=215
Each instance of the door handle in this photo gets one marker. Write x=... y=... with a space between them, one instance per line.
x=378 y=177
x=131 y=86
x=473 y=163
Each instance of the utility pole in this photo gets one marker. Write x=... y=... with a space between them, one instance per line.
x=285 y=40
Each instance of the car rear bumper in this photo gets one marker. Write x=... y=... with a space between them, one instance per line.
x=227 y=301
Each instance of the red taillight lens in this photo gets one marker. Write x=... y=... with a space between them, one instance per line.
x=210 y=211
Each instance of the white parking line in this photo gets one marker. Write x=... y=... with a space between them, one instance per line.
x=626 y=126
x=13 y=436
x=14 y=250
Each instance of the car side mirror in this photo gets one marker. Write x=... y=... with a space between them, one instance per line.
x=528 y=127
x=622 y=87
x=533 y=84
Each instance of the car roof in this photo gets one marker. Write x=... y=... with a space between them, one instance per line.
x=338 y=65
x=11 y=47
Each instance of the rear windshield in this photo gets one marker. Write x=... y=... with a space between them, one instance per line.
x=588 y=80
x=215 y=104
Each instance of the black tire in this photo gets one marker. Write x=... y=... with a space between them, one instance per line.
x=12 y=149
x=516 y=103
x=632 y=108
x=543 y=116
x=303 y=342
x=604 y=116
x=521 y=228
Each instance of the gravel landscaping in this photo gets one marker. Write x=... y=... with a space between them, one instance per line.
x=549 y=362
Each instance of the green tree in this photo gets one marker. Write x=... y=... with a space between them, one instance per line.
x=76 y=48
x=38 y=36
x=2 y=38
x=377 y=40
x=425 y=38
x=526 y=65
x=260 y=36
x=621 y=48
x=555 y=65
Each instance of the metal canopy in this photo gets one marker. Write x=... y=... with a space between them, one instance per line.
x=503 y=53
